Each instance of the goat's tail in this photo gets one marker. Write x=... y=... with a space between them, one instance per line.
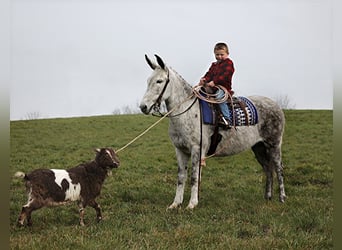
x=20 y=174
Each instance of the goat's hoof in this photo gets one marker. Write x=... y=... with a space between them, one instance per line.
x=19 y=224
x=98 y=219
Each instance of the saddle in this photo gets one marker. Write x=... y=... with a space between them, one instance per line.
x=242 y=113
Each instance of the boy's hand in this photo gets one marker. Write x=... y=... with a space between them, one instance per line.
x=202 y=81
x=211 y=84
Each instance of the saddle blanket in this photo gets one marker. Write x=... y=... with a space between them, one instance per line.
x=245 y=112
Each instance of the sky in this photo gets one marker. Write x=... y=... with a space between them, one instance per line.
x=74 y=58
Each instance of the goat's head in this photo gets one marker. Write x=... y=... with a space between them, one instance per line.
x=107 y=158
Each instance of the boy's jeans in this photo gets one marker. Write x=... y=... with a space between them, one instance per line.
x=223 y=106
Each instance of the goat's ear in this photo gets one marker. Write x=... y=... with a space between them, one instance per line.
x=97 y=150
x=152 y=65
x=160 y=62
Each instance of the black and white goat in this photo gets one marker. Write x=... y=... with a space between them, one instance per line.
x=53 y=187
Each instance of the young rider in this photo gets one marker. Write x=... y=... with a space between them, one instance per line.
x=220 y=73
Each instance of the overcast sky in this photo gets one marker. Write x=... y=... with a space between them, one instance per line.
x=86 y=57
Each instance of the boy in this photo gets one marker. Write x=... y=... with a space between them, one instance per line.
x=220 y=73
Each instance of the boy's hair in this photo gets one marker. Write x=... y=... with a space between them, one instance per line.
x=220 y=46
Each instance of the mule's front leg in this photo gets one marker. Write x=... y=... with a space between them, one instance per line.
x=182 y=160
x=195 y=178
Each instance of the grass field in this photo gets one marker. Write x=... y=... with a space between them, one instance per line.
x=232 y=213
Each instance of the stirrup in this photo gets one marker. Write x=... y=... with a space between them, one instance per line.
x=225 y=121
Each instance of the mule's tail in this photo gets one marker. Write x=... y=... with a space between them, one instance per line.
x=20 y=174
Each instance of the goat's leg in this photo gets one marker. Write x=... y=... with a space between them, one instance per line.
x=81 y=211
x=182 y=160
x=22 y=216
x=27 y=210
x=97 y=208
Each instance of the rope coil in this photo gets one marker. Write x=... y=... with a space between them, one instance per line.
x=200 y=92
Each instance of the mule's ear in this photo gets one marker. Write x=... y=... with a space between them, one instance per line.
x=160 y=62
x=152 y=65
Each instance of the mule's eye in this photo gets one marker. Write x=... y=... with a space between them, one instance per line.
x=159 y=81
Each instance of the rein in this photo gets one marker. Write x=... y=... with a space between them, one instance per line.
x=159 y=114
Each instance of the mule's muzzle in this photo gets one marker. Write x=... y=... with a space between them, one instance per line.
x=144 y=109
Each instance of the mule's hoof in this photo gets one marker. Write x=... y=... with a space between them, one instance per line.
x=191 y=206
x=173 y=206
x=282 y=199
x=203 y=163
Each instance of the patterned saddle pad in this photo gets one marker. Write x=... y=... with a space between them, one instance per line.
x=245 y=112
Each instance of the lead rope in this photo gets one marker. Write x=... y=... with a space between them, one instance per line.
x=154 y=124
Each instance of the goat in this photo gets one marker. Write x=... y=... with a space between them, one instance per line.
x=53 y=187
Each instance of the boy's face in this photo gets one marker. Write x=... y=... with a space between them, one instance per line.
x=220 y=54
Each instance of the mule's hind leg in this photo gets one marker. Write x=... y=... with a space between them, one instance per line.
x=280 y=176
x=270 y=159
x=262 y=156
x=182 y=160
x=275 y=154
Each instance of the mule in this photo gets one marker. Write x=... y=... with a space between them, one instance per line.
x=191 y=138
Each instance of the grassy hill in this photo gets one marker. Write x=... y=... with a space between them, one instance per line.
x=232 y=212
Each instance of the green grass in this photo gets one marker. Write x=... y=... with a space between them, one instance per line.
x=231 y=214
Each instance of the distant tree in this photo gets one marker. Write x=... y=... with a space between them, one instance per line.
x=127 y=110
x=116 y=111
x=284 y=102
x=32 y=115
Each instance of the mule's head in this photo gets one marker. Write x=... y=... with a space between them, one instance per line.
x=157 y=90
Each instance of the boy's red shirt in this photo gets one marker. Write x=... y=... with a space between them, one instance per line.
x=221 y=73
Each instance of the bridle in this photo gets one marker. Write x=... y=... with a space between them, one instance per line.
x=157 y=103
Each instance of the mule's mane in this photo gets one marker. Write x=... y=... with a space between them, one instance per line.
x=183 y=81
